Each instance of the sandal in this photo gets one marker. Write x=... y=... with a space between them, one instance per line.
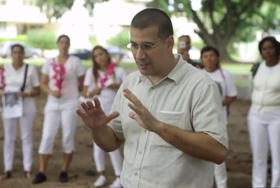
x=28 y=175
x=6 y=175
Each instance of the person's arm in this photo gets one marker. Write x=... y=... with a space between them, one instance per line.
x=96 y=120
x=81 y=81
x=196 y=144
x=45 y=87
x=228 y=100
x=114 y=85
x=33 y=93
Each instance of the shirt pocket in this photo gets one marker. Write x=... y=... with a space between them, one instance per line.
x=172 y=118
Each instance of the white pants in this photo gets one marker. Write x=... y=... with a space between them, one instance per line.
x=10 y=134
x=99 y=159
x=264 y=134
x=53 y=118
x=221 y=175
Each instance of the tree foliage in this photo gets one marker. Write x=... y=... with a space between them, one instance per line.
x=222 y=22
x=54 y=8
x=41 y=38
x=121 y=39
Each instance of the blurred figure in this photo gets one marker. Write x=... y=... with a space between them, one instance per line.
x=61 y=79
x=18 y=81
x=264 y=114
x=210 y=59
x=184 y=46
x=103 y=81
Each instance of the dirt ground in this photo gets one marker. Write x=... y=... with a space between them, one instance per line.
x=82 y=170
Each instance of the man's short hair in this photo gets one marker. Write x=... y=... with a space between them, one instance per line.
x=185 y=36
x=209 y=48
x=17 y=45
x=153 y=17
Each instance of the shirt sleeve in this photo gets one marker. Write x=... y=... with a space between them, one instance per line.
x=80 y=68
x=207 y=114
x=46 y=67
x=88 y=78
x=231 y=89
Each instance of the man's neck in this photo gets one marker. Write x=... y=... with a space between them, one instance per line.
x=158 y=77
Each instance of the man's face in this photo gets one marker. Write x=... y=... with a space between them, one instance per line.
x=210 y=61
x=17 y=55
x=184 y=44
x=149 y=51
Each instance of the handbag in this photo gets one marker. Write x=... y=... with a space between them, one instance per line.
x=12 y=102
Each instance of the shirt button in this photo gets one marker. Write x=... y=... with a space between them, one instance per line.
x=140 y=152
x=135 y=173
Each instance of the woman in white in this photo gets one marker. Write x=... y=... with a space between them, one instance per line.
x=264 y=114
x=103 y=81
x=61 y=79
x=12 y=80
x=224 y=81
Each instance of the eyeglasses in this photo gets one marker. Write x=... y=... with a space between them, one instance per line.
x=145 y=46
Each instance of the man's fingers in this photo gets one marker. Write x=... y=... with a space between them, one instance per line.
x=96 y=102
x=113 y=116
x=134 y=108
x=84 y=106
x=131 y=97
x=80 y=113
x=89 y=104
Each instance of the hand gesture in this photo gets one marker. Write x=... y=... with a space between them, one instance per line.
x=140 y=112
x=93 y=115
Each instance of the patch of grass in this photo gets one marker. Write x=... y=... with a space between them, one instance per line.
x=235 y=68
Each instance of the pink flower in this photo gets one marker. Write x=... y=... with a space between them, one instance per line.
x=110 y=71
x=2 y=77
x=59 y=72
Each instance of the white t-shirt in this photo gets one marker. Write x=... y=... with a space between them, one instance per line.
x=225 y=83
x=13 y=80
x=70 y=92
x=107 y=95
x=266 y=90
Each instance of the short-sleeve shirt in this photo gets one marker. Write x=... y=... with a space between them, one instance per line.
x=107 y=95
x=13 y=80
x=70 y=91
x=225 y=83
x=186 y=98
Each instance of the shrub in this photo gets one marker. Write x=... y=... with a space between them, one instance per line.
x=41 y=38
x=121 y=39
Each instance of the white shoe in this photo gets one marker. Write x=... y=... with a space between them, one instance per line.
x=116 y=183
x=100 y=181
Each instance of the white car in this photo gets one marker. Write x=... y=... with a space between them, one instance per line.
x=5 y=49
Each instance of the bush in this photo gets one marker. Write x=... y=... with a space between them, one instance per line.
x=41 y=38
x=121 y=39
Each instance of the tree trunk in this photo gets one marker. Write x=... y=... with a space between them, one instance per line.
x=219 y=43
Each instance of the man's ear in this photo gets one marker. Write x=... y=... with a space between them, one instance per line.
x=170 y=42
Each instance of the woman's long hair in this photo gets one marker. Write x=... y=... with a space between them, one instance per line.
x=96 y=67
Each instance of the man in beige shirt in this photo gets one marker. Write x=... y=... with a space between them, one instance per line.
x=168 y=114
